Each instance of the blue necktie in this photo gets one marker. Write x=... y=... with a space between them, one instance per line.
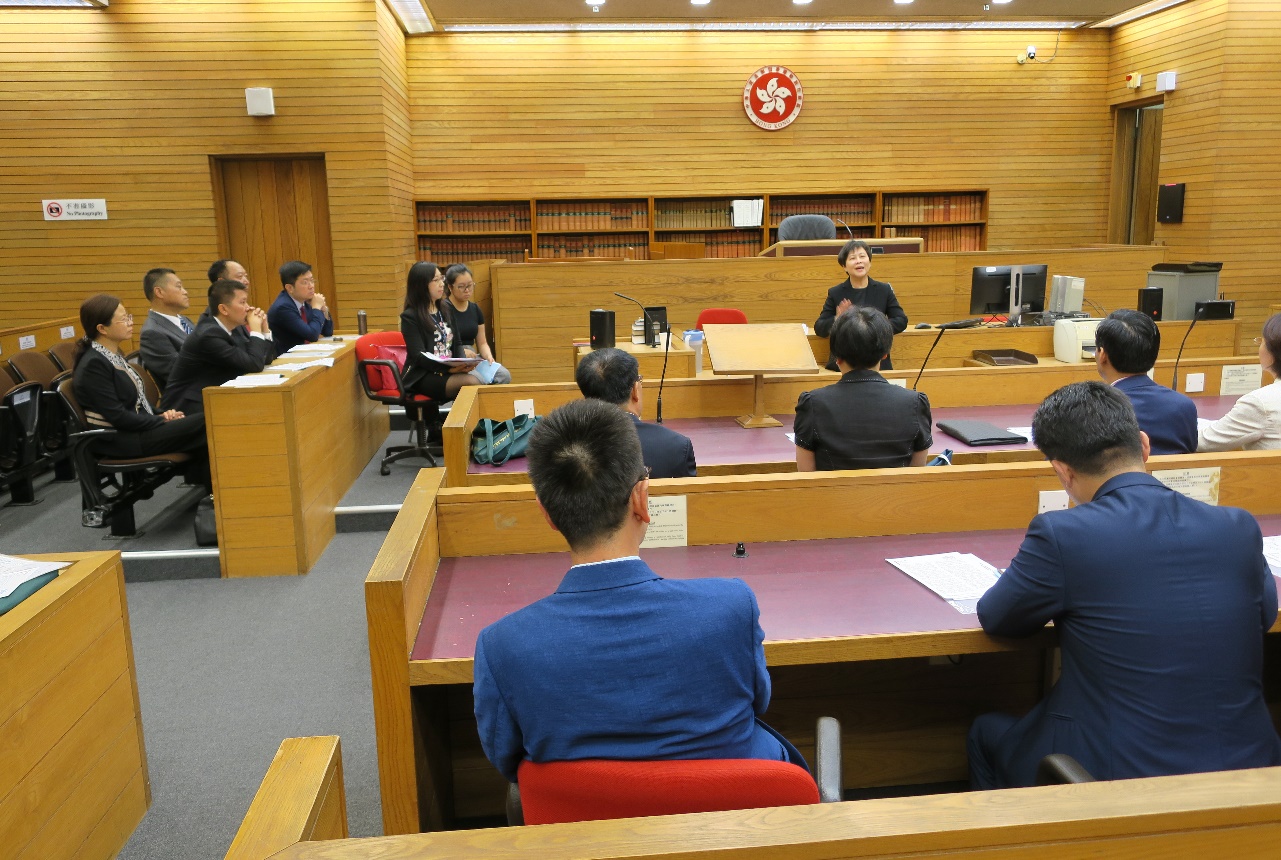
x=186 y=326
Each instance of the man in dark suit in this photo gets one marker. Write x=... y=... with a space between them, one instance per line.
x=614 y=376
x=1160 y=602
x=619 y=663
x=1128 y=343
x=165 y=328
x=299 y=314
x=212 y=354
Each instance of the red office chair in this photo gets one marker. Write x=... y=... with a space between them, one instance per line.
x=721 y=316
x=379 y=359
x=595 y=789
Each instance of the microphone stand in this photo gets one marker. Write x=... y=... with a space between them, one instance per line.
x=843 y=224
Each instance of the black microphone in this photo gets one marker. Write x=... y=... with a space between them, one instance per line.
x=667 y=346
x=649 y=326
x=944 y=327
x=843 y=224
x=1196 y=315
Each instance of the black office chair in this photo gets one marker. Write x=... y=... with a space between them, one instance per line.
x=20 y=455
x=802 y=227
x=1061 y=769
x=109 y=486
x=32 y=366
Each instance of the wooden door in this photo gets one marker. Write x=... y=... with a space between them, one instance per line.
x=271 y=210
x=1136 y=164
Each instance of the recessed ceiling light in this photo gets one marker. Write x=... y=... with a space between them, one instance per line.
x=699 y=2
x=901 y=2
x=802 y=2
x=1001 y=2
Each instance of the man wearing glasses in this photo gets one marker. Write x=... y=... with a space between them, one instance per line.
x=619 y=663
x=299 y=314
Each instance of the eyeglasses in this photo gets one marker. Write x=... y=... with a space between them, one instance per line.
x=126 y=318
x=464 y=288
x=645 y=477
x=1258 y=341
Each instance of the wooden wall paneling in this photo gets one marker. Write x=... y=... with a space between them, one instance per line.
x=137 y=108
x=47 y=333
x=384 y=306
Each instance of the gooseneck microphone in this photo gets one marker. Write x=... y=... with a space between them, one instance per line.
x=944 y=327
x=843 y=224
x=649 y=326
x=649 y=341
x=1196 y=315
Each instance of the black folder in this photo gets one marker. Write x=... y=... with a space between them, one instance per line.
x=977 y=433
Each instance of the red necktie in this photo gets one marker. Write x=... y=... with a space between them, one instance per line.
x=302 y=309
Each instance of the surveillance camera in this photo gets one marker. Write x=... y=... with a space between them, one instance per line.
x=1031 y=52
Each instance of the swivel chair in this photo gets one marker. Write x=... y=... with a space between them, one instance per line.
x=802 y=227
x=380 y=357
x=720 y=316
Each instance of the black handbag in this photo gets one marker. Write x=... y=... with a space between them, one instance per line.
x=206 y=523
x=495 y=442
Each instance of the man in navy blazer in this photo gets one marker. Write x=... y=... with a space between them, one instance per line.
x=1127 y=346
x=299 y=314
x=614 y=376
x=1160 y=601
x=618 y=663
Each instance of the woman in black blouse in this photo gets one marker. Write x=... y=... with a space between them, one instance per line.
x=112 y=396
x=469 y=319
x=859 y=290
x=428 y=327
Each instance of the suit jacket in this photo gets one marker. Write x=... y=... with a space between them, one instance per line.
x=863 y=422
x=108 y=396
x=620 y=663
x=1253 y=423
x=420 y=339
x=877 y=294
x=667 y=453
x=159 y=343
x=289 y=329
x=1166 y=415
x=1161 y=603
x=210 y=356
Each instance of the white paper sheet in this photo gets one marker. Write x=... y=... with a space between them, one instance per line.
x=1025 y=432
x=960 y=578
x=316 y=348
x=15 y=571
x=668 y=522
x=1272 y=552
x=303 y=365
x=256 y=380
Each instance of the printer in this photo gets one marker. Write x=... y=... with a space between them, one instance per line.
x=1074 y=339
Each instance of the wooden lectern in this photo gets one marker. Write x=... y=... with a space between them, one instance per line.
x=755 y=350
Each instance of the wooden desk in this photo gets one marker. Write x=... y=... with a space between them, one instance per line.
x=705 y=398
x=682 y=362
x=282 y=457
x=302 y=798
x=905 y=724
x=73 y=766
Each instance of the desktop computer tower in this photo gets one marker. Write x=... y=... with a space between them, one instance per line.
x=1066 y=294
x=1150 y=301
x=602 y=328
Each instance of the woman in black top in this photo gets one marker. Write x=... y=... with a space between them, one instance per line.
x=859 y=290
x=428 y=326
x=861 y=422
x=469 y=319
x=112 y=396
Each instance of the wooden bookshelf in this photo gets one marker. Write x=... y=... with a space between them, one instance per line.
x=623 y=228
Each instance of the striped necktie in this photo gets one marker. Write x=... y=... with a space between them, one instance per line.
x=186 y=326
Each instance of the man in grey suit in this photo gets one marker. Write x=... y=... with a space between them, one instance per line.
x=165 y=328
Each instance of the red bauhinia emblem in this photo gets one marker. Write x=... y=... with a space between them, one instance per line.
x=773 y=97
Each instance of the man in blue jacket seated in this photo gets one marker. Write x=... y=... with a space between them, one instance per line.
x=618 y=663
x=1128 y=343
x=299 y=314
x=1160 y=601
x=614 y=376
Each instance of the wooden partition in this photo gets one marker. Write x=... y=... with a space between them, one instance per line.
x=430 y=765
x=73 y=766
x=717 y=397
x=302 y=798
x=539 y=309
x=282 y=457
x=1233 y=814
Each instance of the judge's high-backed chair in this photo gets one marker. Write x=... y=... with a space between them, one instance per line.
x=595 y=789
x=803 y=227
x=721 y=316
x=380 y=357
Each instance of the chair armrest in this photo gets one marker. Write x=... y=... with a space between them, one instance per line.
x=827 y=767
x=363 y=363
x=1061 y=769
x=515 y=815
x=90 y=435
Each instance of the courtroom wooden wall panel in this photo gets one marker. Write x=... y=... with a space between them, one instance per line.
x=661 y=114
x=129 y=102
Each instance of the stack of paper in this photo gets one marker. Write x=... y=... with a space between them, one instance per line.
x=15 y=571
x=749 y=213
x=960 y=578
x=314 y=349
x=303 y=365
x=256 y=380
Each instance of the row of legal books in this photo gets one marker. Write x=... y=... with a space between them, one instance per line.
x=593 y=215
x=858 y=210
x=967 y=238
x=634 y=246
x=721 y=245
x=693 y=214
x=435 y=249
x=482 y=218
x=932 y=208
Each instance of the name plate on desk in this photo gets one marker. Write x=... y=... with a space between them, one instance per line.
x=1199 y=484
x=668 y=522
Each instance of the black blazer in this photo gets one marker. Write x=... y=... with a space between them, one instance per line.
x=210 y=356
x=108 y=395
x=160 y=342
x=667 y=453
x=420 y=339
x=863 y=422
x=877 y=294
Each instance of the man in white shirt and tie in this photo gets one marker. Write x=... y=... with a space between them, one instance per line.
x=165 y=328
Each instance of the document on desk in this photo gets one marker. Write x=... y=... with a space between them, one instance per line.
x=303 y=365
x=314 y=349
x=960 y=578
x=15 y=571
x=1272 y=552
x=1025 y=432
x=256 y=380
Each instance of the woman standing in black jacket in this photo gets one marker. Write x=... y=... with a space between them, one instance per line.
x=112 y=396
x=428 y=327
x=859 y=290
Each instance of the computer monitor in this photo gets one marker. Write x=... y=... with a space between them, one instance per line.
x=990 y=289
